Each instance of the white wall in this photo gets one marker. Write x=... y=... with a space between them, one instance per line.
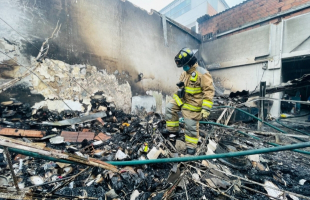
x=244 y=46
x=296 y=31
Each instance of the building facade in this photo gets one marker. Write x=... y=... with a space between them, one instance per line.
x=186 y=12
x=258 y=40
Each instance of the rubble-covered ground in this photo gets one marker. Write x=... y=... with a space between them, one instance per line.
x=120 y=136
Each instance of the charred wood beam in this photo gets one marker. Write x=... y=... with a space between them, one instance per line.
x=12 y=193
x=51 y=154
x=8 y=157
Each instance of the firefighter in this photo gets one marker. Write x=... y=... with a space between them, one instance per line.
x=193 y=99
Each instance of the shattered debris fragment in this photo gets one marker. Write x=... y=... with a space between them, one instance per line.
x=120 y=155
x=154 y=153
x=59 y=145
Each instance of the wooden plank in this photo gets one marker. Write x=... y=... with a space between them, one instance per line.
x=21 y=133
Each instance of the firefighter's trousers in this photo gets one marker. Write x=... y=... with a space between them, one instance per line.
x=191 y=121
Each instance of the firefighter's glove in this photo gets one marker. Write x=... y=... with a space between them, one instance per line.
x=205 y=114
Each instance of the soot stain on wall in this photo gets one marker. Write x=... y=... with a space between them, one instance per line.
x=21 y=93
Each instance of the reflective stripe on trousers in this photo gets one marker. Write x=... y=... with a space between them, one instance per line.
x=172 y=118
x=191 y=133
x=191 y=139
x=172 y=123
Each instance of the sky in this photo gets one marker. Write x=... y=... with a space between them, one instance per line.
x=159 y=4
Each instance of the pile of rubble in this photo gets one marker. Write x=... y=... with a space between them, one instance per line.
x=65 y=155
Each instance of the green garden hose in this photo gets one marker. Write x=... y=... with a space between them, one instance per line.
x=214 y=156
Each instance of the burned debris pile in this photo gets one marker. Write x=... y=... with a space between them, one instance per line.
x=66 y=155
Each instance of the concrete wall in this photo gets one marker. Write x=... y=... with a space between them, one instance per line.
x=296 y=35
x=244 y=46
x=109 y=35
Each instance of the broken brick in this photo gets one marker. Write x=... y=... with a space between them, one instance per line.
x=100 y=120
x=102 y=137
x=70 y=136
x=85 y=135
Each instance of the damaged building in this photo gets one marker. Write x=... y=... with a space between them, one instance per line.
x=84 y=86
x=258 y=41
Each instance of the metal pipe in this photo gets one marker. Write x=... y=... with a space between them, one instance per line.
x=262 y=93
x=209 y=157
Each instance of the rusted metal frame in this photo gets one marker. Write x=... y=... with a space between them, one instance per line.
x=8 y=157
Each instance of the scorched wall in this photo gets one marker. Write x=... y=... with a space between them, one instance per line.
x=110 y=35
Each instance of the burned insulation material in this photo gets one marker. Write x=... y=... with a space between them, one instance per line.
x=118 y=136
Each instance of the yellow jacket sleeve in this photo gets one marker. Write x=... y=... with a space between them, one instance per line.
x=207 y=91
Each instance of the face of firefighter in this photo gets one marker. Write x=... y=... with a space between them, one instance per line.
x=186 y=68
